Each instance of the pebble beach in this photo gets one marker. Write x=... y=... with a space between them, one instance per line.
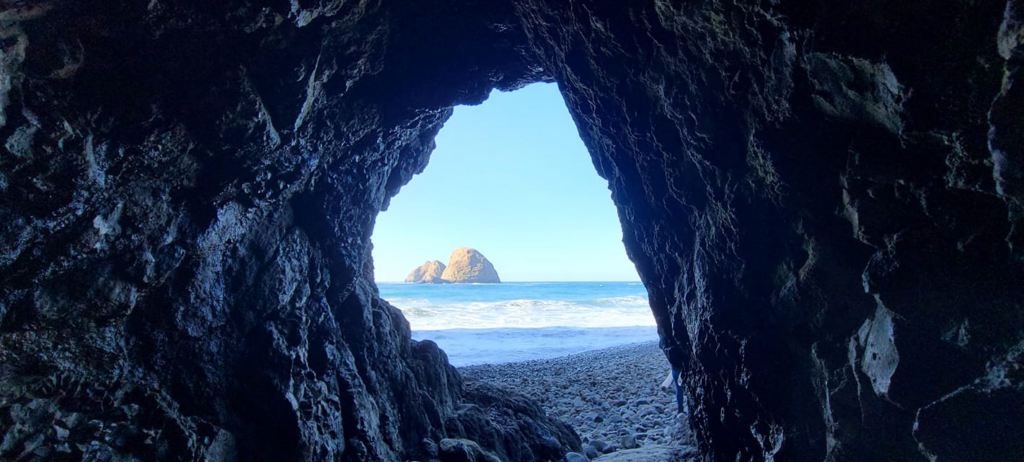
x=612 y=397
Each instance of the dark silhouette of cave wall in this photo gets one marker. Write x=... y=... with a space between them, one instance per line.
x=188 y=194
x=822 y=198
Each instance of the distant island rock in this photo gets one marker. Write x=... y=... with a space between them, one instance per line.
x=428 y=273
x=465 y=266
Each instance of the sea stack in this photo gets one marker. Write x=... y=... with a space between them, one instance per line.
x=467 y=265
x=428 y=273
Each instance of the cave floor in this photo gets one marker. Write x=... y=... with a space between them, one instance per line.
x=611 y=397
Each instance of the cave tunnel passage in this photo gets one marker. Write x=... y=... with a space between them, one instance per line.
x=823 y=200
x=512 y=179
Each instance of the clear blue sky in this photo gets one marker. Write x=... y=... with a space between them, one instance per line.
x=512 y=179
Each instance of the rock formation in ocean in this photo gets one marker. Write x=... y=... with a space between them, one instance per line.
x=824 y=198
x=467 y=265
x=427 y=273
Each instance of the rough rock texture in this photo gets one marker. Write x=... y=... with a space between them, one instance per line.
x=188 y=191
x=816 y=196
x=824 y=199
x=428 y=273
x=467 y=265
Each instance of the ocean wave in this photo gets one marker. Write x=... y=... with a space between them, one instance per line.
x=628 y=300
x=420 y=312
x=479 y=346
x=536 y=304
x=527 y=302
x=409 y=302
x=612 y=312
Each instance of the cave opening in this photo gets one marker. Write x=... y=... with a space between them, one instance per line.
x=511 y=179
x=545 y=302
x=823 y=200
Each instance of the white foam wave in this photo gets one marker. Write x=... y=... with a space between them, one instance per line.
x=406 y=302
x=481 y=346
x=629 y=300
x=524 y=313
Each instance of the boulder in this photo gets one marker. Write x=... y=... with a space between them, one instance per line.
x=467 y=265
x=427 y=273
x=652 y=454
x=463 y=450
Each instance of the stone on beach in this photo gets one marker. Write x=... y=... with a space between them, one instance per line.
x=651 y=454
x=599 y=445
x=463 y=450
x=611 y=397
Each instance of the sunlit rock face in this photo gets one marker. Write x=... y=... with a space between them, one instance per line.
x=427 y=273
x=468 y=265
x=822 y=198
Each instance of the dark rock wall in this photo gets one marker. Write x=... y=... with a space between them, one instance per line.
x=188 y=191
x=823 y=199
x=814 y=195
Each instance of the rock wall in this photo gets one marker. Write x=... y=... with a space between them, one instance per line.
x=813 y=195
x=188 y=191
x=823 y=199
x=817 y=196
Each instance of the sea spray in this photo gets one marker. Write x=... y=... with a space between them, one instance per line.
x=494 y=323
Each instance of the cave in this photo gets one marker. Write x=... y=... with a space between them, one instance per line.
x=823 y=199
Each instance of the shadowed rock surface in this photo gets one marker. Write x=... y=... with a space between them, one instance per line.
x=467 y=265
x=824 y=199
x=428 y=273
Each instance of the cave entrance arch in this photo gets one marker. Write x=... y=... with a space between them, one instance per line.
x=189 y=192
x=512 y=179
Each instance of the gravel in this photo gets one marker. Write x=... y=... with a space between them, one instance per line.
x=612 y=397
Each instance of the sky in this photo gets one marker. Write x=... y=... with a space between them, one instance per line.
x=512 y=179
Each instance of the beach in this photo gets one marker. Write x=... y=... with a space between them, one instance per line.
x=587 y=352
x=612 y=397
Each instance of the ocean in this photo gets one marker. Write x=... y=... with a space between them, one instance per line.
x=519 y=321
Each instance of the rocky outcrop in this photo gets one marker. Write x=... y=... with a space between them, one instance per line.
x=427 y=273
x=823 y=198
x=467 y=265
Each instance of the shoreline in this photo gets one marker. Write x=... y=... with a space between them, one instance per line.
x=469 y=347
x=611 y=397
